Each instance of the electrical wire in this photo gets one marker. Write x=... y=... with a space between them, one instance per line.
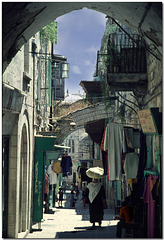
x=128 y=100
x=127 y=106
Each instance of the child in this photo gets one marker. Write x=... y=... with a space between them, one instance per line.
x=60 y=196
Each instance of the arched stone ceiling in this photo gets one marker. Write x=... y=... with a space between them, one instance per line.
x=21 y=20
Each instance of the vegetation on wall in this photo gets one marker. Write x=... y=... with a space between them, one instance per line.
x=105 y=95
x=49 y=33
x=113 y=57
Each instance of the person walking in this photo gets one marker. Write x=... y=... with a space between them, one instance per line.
x=60 y=197
x=84 y=189
x=97 y=199
x=72 y=199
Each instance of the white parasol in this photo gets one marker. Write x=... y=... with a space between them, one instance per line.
x=95 y=172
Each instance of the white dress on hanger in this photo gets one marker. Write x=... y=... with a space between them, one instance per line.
x=52 y=175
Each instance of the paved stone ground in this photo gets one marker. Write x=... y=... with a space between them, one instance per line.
x=69 y=222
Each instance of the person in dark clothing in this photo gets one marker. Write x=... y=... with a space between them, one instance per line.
x=97 y=202
x=60 y=197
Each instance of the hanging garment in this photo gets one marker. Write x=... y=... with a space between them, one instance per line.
x=131 y=165
x=53 y=179
x=131 y=181
x=114 y=142
x=102 y=141
x=129 y=136
x=104 y=160
x=46 y=187
x=66 y=165
x=149 y=145
x=142 y=156
x=132 y=137
x=104 y=155
x=148 y=198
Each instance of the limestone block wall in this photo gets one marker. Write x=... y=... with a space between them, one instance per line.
x=21 y=145
x=154 y=93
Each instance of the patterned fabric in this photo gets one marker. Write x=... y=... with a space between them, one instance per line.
x=94 y=189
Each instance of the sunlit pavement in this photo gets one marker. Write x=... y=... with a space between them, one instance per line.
x=69 y=222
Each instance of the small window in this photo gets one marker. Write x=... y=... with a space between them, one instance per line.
x=26 y=82
x=69 y=144
x=73 y=146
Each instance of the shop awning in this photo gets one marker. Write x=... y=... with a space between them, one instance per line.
x=91 y=87
x=95 y=130
x=44 y=143
x=86 y=160
x=60 y=146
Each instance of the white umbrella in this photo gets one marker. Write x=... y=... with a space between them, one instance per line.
x=95 y=172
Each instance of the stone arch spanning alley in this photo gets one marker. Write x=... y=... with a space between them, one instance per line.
x=81 y=117
x=22 y=20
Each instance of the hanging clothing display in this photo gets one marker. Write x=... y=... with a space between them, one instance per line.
x=102 y=141
x=53 y=179
x=148 y=198
x=132 y=137
x=149 y=145
x=66 y=165
x=46 y=187
x=142 y=156
x=114 y=142
x=104 y=156
x=131 y=165
x=104 y=160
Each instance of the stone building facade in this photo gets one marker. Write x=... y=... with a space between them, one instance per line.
x=20 y=124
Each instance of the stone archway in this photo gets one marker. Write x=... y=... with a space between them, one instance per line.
x=22 y=20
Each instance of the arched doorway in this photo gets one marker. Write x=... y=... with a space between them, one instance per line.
x=144 y=18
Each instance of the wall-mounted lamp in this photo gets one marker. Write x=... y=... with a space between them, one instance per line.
x=72 y=125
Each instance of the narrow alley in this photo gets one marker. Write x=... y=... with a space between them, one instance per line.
x=70 y=222
x=82 y=110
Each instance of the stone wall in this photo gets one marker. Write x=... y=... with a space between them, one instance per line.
x=20 y=83
x=154 y=92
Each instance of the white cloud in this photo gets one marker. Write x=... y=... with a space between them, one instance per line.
x=75 y=69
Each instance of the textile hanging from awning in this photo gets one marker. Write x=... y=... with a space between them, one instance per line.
x=114 y=142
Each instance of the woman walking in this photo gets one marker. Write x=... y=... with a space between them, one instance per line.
x=97 y=200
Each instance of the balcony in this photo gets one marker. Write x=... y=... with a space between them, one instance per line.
x=126 y=63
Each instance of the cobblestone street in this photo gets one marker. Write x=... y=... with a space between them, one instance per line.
x=67 y=222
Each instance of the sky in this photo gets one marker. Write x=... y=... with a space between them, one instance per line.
x=79 y=38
